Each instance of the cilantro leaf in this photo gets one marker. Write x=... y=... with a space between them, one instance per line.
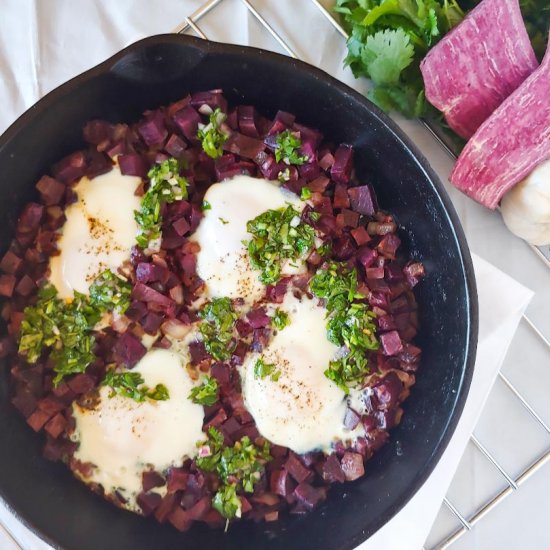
x=206 y=393
x=226 y=502
x=386 y=54
x=263 y=369
x=131 y=384
x=212 y=136
x=281 y=319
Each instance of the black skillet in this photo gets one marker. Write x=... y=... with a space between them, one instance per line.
x=156 y=71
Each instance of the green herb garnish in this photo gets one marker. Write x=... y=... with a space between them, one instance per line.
x=61 y=327
x=217 y=328
x=206 y=393
x=166 y=185
x=281 y=319
x=305 y=193
x=226 y=501
x=287 y=147
x=284 y=175
x=223 y=220
x=388 y=39
x=278 y=235
x=109 y=292
x=315 y=216
x=325 y=249
x=206 y=206
x=211 y=136
x=239 y=468
x=131 y=384
x=350 y=323
x=263 y=369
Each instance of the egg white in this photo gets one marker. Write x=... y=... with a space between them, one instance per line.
x=99 y=232
x=223 y=262
x=302 y=409
x=122 y=437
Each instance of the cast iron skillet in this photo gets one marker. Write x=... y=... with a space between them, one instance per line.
x=164 y=68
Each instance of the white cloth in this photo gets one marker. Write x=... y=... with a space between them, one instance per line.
x=44 y=43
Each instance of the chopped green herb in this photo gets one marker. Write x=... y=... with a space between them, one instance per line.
x=239 y=468
x=226 y=502
x=325 y=249
x=211 y=135
x=315 y=216
x=278 y=235
x=350 y=323
x=131 y=384
x=287 y=147
x=224 y=221
x=206 y=205
x=305 y=194
x=166 y=185
x=284 y=175
x=263 y=369
x=217 y=328
x=206 y=393
x=61 y=327
x=280 y=319
x=109 y=292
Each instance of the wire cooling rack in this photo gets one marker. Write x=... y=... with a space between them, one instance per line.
x=192 y=24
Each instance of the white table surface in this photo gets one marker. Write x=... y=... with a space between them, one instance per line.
x=31 y=65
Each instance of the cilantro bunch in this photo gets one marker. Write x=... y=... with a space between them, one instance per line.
x=239 y=468
x=388 y=39
x=166 y=185
x=350 y=323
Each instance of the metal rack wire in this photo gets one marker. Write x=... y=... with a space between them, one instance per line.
x=191 y=23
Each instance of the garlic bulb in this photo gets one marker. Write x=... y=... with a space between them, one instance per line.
x=526 y=207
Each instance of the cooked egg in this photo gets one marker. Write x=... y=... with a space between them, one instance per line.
x=99 y=232
x=299 y=407
x=121 y=437
x=223 y=262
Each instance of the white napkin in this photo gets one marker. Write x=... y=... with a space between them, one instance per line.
x=45 y=43
x=502 y=302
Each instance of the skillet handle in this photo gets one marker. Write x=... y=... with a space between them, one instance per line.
x=162 y=58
